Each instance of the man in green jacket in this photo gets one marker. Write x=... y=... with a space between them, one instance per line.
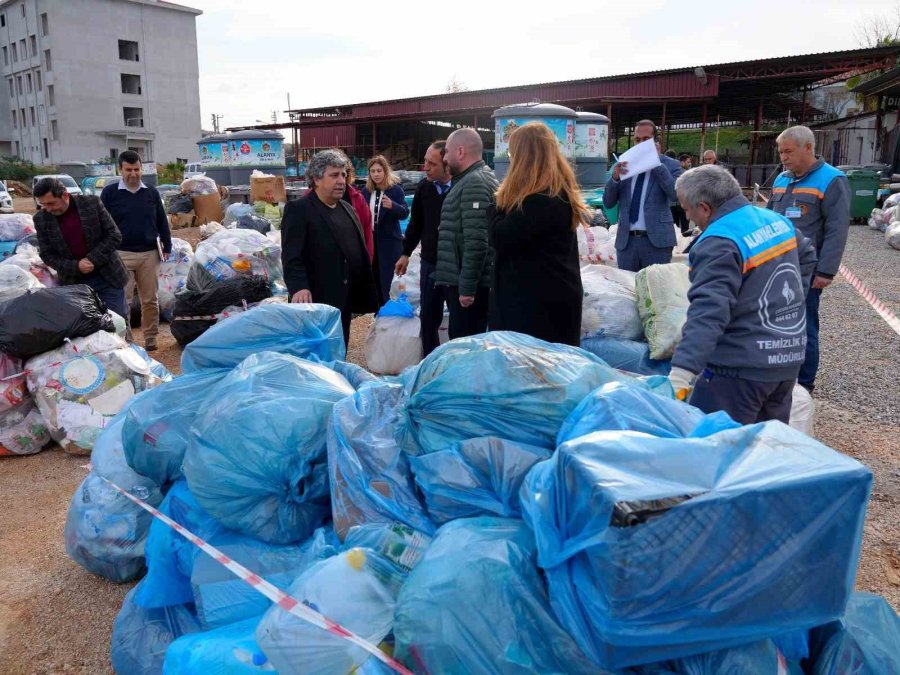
x=464 y=256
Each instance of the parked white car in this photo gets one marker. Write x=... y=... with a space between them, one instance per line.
x=64 y=178
x=192 y=169
x=6 y=202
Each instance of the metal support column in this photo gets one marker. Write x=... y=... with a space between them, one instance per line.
x=879 y=120
x=612 y=128
x=662 y=127
x=703 y=133
x=803 y=109
x=754 y=141
x=374 y=139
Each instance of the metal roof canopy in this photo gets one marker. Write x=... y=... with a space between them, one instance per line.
x=887 y=84
x=738 y=91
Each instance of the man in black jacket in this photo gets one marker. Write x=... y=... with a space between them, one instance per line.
x=78 y=238
x=323 y=250
x=424 y=221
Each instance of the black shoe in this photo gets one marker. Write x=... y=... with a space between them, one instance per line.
x=151 y=347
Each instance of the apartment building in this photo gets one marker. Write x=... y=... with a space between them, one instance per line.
x=87 y=79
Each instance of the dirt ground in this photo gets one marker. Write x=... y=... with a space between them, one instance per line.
x=57 y=618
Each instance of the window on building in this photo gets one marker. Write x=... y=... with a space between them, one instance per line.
x=29 y=82
x=19 y=84
x=5 y=56
x=2 y=20
x=51 y=98
x=22 y=116
x=46 y=149
x=23 y=50
x=131 y=84
x=18 y=150
x=40 y=80
x=134 y=117
x=42 y=117
x=14 y=120
x=33 y=116
x=54 y=130
x=33 y=39
x=12 y=89
x=23 y=8
x=15 y=52
x=48 y=64
x=45 y=25
x=113 y=152
x=128 y=50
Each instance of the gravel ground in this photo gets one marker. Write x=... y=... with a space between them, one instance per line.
x=57 y=618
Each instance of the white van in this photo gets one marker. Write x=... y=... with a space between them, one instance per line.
x=192 y=169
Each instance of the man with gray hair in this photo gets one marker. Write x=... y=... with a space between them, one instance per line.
x=709 y=157
x=745 y=335
x=815 y=197
x=463 y=253
x=323 y=249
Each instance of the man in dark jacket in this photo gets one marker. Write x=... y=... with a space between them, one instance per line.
x=646 y=233
x=424 y=223
x=745 y=336
x=464 y=258
x=141 y=218
x=323 y=249
x=78 y=238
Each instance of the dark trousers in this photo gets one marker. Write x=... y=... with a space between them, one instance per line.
x=640 y=253
x=472 y=320
x=810 y=367
x=746 y=401
x=432 y=308
x=346 y=318
x=112 y=296
x=681 y=219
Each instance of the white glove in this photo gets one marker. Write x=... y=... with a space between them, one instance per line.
x=682 y=382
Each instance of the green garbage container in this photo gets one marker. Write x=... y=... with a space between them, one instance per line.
x=864 y=186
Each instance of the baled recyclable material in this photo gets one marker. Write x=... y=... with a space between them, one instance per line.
x=663 y=303
x=393 y=344
x=628 y=355
x=610 y=304
x=231 y=253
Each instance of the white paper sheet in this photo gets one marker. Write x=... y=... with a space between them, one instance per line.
x=641 y=157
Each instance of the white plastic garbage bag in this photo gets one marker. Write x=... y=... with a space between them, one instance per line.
x=14 y=281
x=803 y=410
x=229 y=253
x=662 y=301
x=393 y=344
x=27 y=258
x=410 y=282
x=82 y=385
x=892 y=235
x=201 y=184
x=15 y=226
x=172 y=276
x=610 y=304
x=595 y=245
x=22 y=429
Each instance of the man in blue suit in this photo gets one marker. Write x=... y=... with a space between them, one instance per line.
x=646 y=228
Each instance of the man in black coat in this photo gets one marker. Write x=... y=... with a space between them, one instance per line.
x=323 y=250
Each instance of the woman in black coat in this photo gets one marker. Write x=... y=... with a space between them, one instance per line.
x=537 y=278
x=386 y=201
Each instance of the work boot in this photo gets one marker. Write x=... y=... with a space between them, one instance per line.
x=150 y=346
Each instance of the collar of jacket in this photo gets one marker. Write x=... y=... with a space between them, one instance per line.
x=732 y=205
x=815 y=167
x=474 y=167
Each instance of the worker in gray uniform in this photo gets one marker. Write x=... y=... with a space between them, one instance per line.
x=745 y=336
x=815 y=197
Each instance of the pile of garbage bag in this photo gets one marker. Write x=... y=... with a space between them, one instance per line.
x=663 y=303
x=234 y=212
x=507 y=505
x=196 y=311
x=271 y=213
x=892 y=235
x=200 y=184
x=629 y=355
x=596 y=245
x=14 y=281
x=172 y=276
x=27 y=258
x=228 y=254
x=610 y=304
x=22 y=428
x=16 y=226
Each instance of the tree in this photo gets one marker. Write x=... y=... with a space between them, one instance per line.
x=455 y=85
x=878 y=31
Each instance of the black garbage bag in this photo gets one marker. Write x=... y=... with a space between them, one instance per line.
x=43 y=319
x=195 y=311
x=181 y=204
x=251 y=222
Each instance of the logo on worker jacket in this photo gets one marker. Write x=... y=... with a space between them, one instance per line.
x=782 y=303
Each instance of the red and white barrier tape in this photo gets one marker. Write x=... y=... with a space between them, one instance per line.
x=277 y=596
x=880 y=308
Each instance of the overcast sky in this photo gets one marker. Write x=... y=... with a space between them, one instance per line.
x=252 y=54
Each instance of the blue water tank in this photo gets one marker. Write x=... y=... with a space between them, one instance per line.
x=559 y=119
x=591 y=148
x=214 y=158
x=255 y=150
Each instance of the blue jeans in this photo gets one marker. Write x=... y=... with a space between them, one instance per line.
x=640 y=253
x=810 y=367
x=113 y=297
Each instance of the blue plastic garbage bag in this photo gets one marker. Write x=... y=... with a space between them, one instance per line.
x=156 y=368
x=658 y=548
x=625 y=408
x=157 y=426
x=179 y=572
x=476 y=604
x=229 y=650
x=629 y=355
x=356 y=375
x=257 y=460
x=369 y=474
x=865 y=642
x=302 y=330
x=501 y=384
x=357 y=589
x=397 y=543
x=105 y=532
x=401 y=307
x=478 y=477
x=794 y=644
x=756 y=658
x=141 y=636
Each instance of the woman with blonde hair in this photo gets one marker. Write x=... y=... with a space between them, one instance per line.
x=387 y=204
x=537 y=278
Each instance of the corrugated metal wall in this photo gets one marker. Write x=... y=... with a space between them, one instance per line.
x=342 y=135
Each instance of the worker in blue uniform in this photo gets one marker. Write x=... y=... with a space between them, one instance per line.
x=745 y=336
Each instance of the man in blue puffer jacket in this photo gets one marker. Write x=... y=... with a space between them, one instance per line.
x=745 y=336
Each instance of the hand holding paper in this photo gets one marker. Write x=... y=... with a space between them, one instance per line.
x=639 y=159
